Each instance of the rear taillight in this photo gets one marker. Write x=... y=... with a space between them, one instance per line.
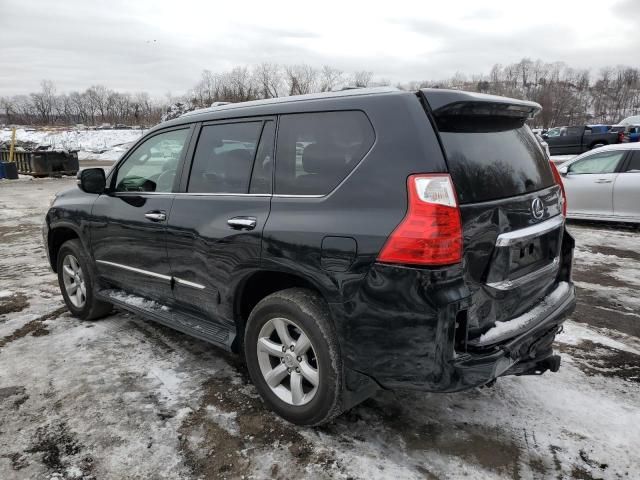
x=431 y=231
x=558 y=179
x=620 y=137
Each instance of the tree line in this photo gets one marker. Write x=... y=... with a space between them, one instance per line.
x=95 y=106
x=567 y=95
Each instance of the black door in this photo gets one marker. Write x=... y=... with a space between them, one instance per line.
x=215 y=225
x=128 y=232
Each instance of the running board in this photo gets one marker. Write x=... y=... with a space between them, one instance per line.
x=169 y=317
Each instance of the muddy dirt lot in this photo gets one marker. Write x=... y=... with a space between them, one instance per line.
x=124 y=398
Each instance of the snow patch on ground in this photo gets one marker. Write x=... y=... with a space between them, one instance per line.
x=574 y=333
x=225 y=420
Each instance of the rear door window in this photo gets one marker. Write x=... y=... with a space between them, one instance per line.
x=316 y=151
x=492 y=157
x=263 y=165
x=224 y=158
x=604 y=162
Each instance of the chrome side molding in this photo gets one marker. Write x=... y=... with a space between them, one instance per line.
x=148 y=273
x=136 y=270
x=187 y=283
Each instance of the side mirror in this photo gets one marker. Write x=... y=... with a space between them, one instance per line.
x=92 y=180
x=563 y=171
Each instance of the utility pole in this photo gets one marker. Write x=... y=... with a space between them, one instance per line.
x=13 y=144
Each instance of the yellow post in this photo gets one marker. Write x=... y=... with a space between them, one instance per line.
x=13 y=144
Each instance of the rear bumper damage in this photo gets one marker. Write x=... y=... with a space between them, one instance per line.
x=402 y=331
x=529 y=353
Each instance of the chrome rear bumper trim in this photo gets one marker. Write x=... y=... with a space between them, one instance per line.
x=525 y=234
x=548 y=270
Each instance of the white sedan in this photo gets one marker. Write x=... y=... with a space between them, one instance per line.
x=604 y=184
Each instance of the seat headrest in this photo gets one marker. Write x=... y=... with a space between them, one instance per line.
x=317 y=158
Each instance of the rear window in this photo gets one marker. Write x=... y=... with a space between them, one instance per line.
x=492 y=157
x=316 y=151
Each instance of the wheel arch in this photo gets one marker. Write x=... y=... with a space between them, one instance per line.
x=259 y=285
x=58 y=235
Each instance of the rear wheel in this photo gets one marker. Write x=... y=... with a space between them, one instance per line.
x=293 y=356
x=76 y=280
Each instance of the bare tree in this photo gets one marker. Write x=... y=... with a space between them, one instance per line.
x=301 y=79
x=44 y=101
x=361 y=78
x=330 y=78
x=268 y=78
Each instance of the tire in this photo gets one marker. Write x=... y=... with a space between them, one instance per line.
x=295 y=312
x=75 y=269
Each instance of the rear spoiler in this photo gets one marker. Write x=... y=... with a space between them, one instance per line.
x=445 y=102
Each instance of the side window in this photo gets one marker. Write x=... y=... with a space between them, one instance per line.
x=224 y=157
x=316 y=151
x=573 y=131
x=152 y=165
x=634 y=164
x=263 y=165
x=605 y=162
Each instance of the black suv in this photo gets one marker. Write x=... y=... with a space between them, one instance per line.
x=339 y=242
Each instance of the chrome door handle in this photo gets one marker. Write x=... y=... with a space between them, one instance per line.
x=242 y=223
x=603 y=180
x=156 y=216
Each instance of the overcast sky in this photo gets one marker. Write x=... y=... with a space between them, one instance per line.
x=162 y=46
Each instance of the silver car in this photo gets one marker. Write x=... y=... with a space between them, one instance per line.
x=604 y=184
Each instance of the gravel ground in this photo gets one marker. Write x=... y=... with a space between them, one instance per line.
x=125 y=398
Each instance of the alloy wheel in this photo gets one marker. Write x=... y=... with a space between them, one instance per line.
x=74 y=284
x=288 y=361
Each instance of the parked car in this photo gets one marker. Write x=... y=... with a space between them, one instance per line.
x=604 y=184
x=598 y=128
x=339 y=242
x=630 y=133
x=543 y=144
x=634 y=120
x=579 y=139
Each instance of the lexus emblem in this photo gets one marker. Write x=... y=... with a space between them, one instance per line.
x=537 y=208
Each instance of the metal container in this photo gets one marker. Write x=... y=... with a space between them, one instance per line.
x=43 y=163
x=10 y=170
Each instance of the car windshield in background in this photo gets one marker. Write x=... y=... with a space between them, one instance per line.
x=634 y=120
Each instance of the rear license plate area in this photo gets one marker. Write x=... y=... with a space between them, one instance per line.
x=532 y=254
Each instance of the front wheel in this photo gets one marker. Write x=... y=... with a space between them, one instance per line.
x=293 y=356
x=75 y=277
